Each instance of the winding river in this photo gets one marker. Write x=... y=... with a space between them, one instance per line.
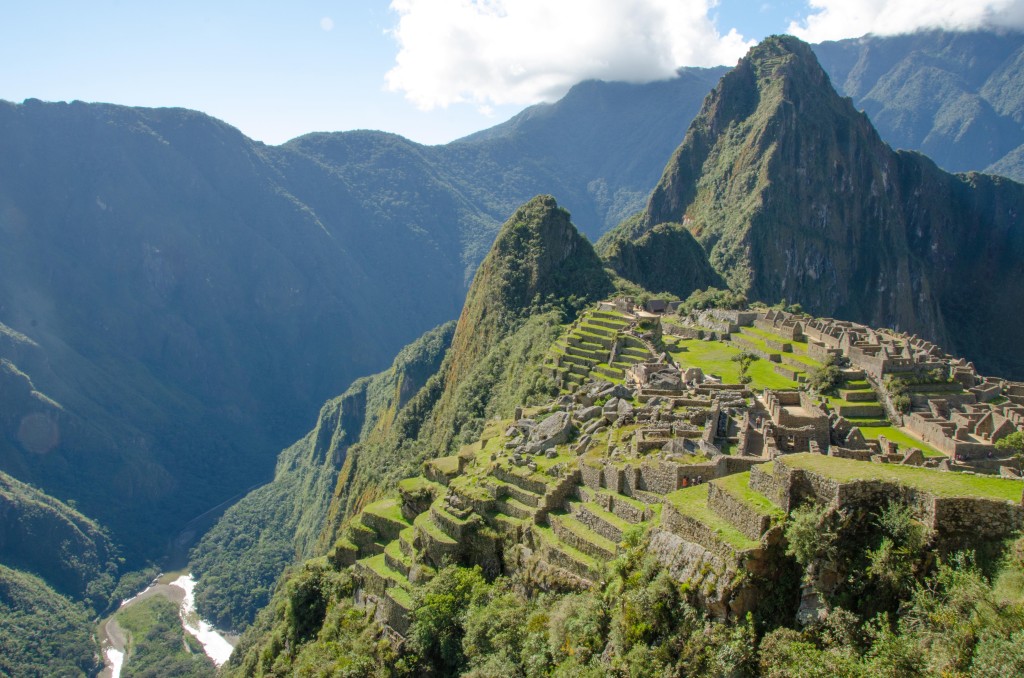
x=179 y=588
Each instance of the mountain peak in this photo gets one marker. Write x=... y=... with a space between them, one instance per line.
x=792 y=194
x=538 y=254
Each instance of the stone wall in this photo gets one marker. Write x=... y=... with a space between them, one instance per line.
x=529 y=484
x=820 y=352
x=592 y=476
x=960 y=522
x=743 y=516
x=603 y=528
x=765 y=482
x=697 y=532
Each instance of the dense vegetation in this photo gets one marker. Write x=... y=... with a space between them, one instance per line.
x=898 y=611
x=201 y=291
x=42 y=633
x=538 y=275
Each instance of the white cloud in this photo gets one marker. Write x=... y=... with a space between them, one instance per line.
x=493 y=52
x=837 y=19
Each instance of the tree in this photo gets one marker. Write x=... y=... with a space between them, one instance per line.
x=745 y=359
x=1013 y=443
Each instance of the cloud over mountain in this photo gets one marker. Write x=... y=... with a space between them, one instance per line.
x=837 y=19
x=494 y=52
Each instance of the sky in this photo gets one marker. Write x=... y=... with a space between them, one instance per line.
x=430 y=70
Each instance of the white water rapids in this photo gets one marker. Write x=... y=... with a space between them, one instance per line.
x=215 y=645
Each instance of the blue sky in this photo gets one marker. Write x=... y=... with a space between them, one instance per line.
x=431 y=70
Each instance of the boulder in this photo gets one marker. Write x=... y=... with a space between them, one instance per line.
x=555 y=430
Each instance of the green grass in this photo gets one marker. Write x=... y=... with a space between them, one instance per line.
x=401 y=596
x=765 y=334
x=607 y=516
x=715 y=357
x=469 y=486
x=905 y=440
x=389 y=508
x=417 y=484
x=939 y=483
x=377 y=564
x=693 y=502
x=570 y=523
x=547 y=535
x=635 y=503
x=395 y=551
x=738 y=485
x=425 y=523
x=446 y=465
x=756 y=342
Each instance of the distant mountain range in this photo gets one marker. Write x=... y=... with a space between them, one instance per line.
x=176 y=300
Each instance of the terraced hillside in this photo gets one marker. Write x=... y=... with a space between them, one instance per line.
x=564 y=517
x=599 y=343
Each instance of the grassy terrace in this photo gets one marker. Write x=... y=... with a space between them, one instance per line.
x=693 y=502
x=738 y=485
x=569 y=522
x=417 y=484
x=757 y=336
x=390 y=508
x=377 y=564
x=401 y=596
x=715 y=357
x=905 y=440
x=939 y=483
x=394 y=550
x=596 y=509
x=547 y=535
x=424 y=522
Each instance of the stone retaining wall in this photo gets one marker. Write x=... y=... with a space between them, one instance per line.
x=597 y=524
x=695 y=531
x=528 y=484
x=763 y=481
x=592 y=476
x=745 y=518
x=437 y=553
x=579 y=542
x=449 y=525
x=518 y=493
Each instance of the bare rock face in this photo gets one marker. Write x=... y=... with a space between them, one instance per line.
x=555 y=430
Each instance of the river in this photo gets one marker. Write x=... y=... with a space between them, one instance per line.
x=178 y=587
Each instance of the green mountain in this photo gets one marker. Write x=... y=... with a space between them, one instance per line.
x=179 y=289
x=646 y=526
x=190 y=297
x=42 y=632
x=792 y=194
x=383 y=427
x=238 y=561
x=59 y=571
x=954 y=96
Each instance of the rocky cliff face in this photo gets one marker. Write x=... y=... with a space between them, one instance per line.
x=793 y=195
